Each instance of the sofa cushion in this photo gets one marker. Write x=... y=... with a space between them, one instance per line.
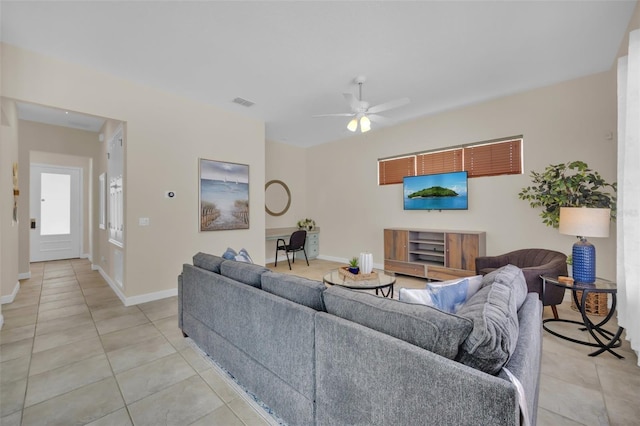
x=423 y=326
x=495 y=328
x=246 y=273
x=208 y=261
x=511 y=276
x=297 y=289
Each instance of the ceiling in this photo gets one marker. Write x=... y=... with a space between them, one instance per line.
x=295 y=59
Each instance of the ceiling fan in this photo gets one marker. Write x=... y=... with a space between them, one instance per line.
x=363 y=113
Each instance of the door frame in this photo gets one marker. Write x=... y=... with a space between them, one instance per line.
x=79 y=227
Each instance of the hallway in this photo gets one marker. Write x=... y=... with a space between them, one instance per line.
x=72 y=354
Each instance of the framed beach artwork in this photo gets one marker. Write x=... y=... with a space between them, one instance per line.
x=224 y=195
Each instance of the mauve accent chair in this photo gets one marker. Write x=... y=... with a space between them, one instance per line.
x=533 y=262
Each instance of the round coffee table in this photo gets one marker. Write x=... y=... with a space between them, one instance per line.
x=379 y=282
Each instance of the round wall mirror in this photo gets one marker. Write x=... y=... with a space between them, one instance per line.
x=277 y=197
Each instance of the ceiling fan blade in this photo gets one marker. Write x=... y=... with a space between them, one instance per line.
x=388 y=105
x=340 y=114
x=380 y=119
x=354 y=103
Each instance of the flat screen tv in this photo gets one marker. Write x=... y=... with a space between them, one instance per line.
x=442 y=191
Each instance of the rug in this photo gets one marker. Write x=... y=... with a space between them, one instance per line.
x=259 y=407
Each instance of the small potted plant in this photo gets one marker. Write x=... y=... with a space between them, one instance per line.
x=306 y=224
x=353 y=266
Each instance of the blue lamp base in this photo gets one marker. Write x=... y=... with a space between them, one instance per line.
x=584 y=261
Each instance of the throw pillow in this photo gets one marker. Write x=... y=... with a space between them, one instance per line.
x=448 y=296
x=230 y=254
x=420 y=296
x=243 y=256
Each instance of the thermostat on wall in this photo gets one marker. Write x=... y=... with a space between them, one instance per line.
x=169 y=194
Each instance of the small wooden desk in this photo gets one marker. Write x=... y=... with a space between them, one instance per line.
x=312 y=246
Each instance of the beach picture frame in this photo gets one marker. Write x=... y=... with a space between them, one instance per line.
x=224 y=195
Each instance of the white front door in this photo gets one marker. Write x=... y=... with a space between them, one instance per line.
x=55 y=212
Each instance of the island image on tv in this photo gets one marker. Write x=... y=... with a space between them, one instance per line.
x=443 y=191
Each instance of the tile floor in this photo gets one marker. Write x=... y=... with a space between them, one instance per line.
x=72 y=354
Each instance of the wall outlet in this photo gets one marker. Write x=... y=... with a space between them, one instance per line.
x=143 y=221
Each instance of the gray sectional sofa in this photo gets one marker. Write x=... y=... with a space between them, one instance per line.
x=333 y=356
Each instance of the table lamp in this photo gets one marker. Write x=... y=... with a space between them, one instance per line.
x=584 y=222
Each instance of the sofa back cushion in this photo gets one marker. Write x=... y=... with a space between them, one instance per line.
x=423 y=326
x=297 y=289
x=246 y=273
x=511 y=276
x=493 y=310
x=208 y=261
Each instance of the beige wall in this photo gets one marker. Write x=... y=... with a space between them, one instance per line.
x=166 y=134
x=8 y=228
x=59 y=146
x=291 y=168
x=575 y=120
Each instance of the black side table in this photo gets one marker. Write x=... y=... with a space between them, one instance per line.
x=605 y=339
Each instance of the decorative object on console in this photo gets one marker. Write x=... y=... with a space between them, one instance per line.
x=571 y=184
x=307 y=224
x=366 y=263
x=584 y=222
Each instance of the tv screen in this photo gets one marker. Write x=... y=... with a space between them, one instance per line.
x=442 y=191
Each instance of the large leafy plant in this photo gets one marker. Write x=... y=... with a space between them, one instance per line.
x=571 y=184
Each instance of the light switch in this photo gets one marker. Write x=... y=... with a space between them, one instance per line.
x=143 y=221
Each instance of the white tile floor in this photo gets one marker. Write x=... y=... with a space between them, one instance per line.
x=72 y=354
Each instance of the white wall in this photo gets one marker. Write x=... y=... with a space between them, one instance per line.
x=166 y=135
x=8 y=228
x=564 y=122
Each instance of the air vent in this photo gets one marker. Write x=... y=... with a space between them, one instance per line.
x=243 y=102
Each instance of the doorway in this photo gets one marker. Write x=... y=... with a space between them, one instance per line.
x=55 y=212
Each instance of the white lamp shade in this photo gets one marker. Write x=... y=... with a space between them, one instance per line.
x=353 y=125
x=584 y=221
x=365 y=124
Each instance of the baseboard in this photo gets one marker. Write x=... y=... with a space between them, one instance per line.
x=86 y=256
x=24 y=276
x=150 y=297
x=9 y=298
x=135 y=300
x=112 y=284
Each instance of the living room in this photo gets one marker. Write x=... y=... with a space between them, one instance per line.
x=335 y=183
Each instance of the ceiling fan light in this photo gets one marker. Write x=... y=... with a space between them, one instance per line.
x=353 y=125
x=365 y=124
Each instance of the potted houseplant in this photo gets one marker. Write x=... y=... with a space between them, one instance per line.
x=306 y=224
x=571 y=184
x=353 y=266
